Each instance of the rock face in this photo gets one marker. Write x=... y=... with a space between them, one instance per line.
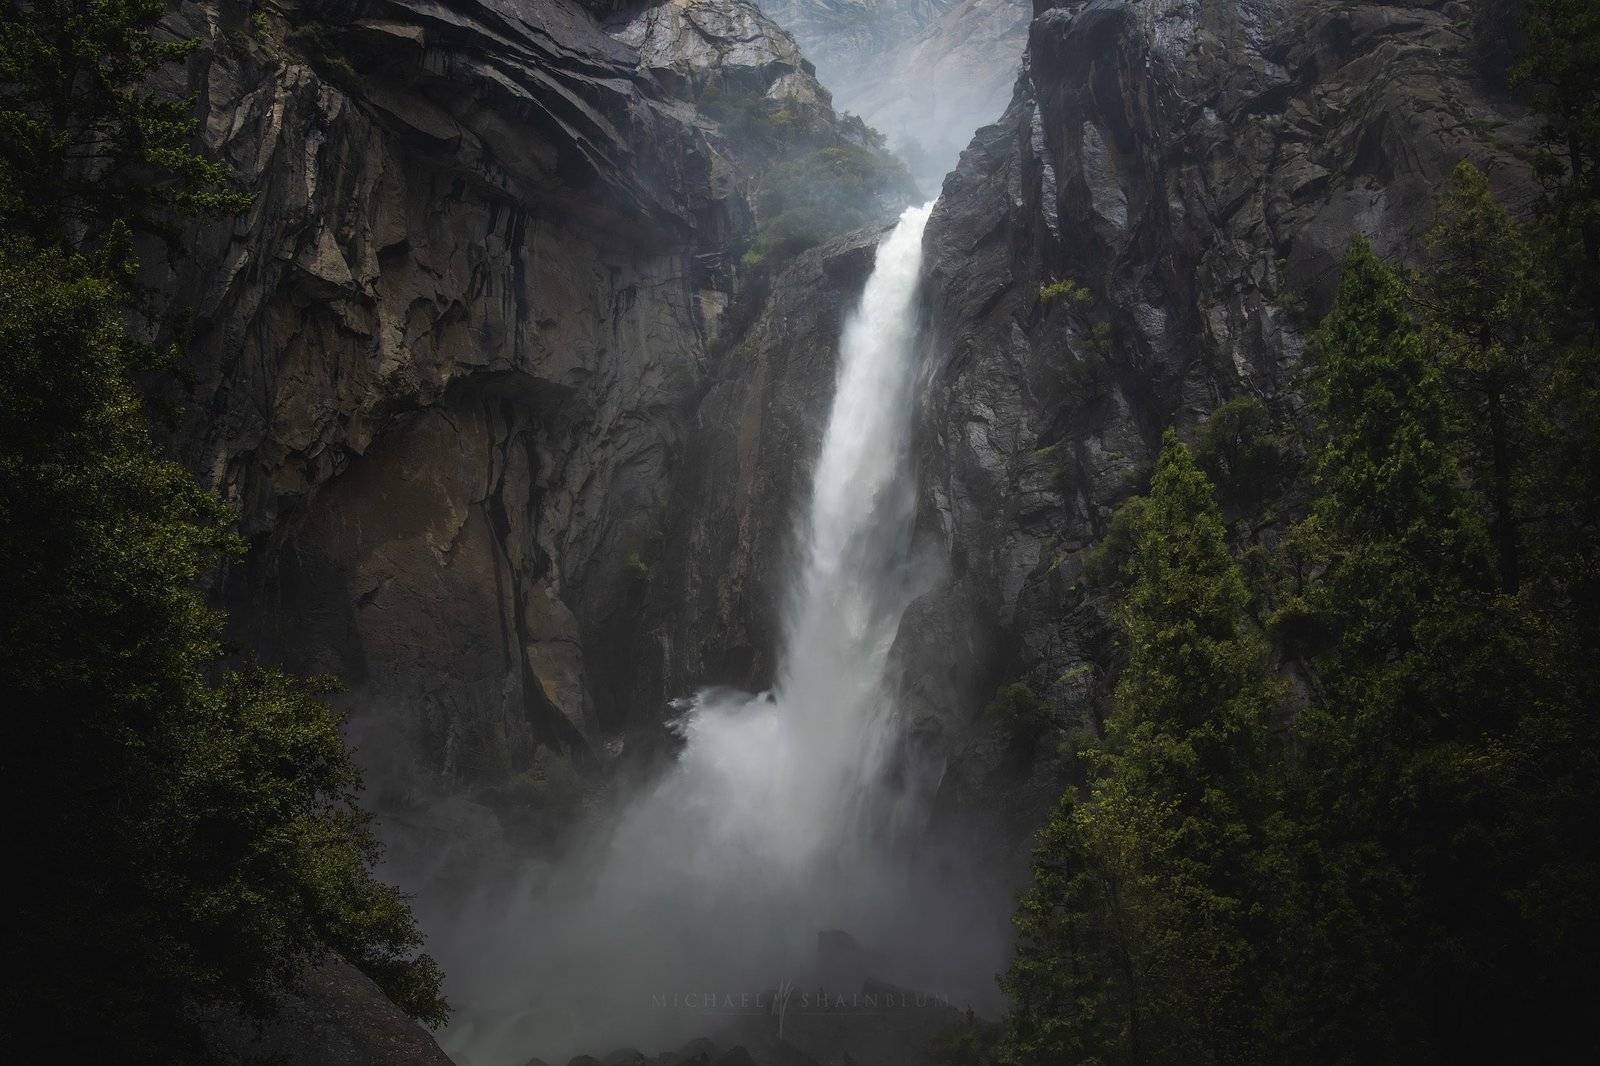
x=337 y=1017
x=518 y=443
x=445 y=366
x=746 y=475
x=1197 y=167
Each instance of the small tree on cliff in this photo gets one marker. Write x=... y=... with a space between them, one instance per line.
x=1136 y=939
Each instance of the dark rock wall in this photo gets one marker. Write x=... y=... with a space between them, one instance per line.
x=448 y=364
x=1198 y=166
x=519 y=447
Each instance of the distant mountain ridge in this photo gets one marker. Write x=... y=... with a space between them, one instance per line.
x=925 y=72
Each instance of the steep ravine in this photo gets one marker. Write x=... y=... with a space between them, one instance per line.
x=446 y=366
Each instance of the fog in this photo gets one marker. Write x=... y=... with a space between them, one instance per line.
x=781 y=819
x=925 y=73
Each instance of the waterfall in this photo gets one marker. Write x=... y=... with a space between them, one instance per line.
x=770 y=826
x=802 y=760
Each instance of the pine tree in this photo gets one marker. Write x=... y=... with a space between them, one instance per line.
x=1560 y=71
x=1483 y=301
x=1398 y=943
x=85 y=143
x=186 y=834
x=1136 y=937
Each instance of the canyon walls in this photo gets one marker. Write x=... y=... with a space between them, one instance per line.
x=1193 y=170
x=516 y=414
x=447 y=365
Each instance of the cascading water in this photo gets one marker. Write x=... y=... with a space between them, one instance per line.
x=773 y=823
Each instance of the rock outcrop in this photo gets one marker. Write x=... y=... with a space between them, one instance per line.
x=1195 y=168
x=336 y=1017
x=718 y=591
x=463 y=370
x=445 y=366
x=518 y=441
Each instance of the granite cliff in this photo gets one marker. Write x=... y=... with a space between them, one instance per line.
x=1194 y=169
x=446 y=365
x=516 y=426
x=449 y=364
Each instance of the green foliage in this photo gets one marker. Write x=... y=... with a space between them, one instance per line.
x=1244 y=454
x=1560 y=73
x=1484 y=303
x=191 y=832
x=1405 y=908
x=806 y=200
x=84 y=141
x=1087 y=377
x=1133 y=938
x=541 y=800
x=1075 y=294
x=1414 y=876
x=1388 y=487
x=1414 y=657
x=1020 y=711
x=970 y=1042
x=818 y=178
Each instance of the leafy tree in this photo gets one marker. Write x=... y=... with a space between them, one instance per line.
x=1135 y=938
x=1245 y=456
x=189 y=833
x=1020 y=711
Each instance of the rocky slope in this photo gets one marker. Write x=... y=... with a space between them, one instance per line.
x=1197 y=167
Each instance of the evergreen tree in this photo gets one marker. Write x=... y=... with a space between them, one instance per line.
x=1483 y=300
x=86 y=144
x=185 y=835
x=1136 y=937
x=1405 y=937
x=1560 y=71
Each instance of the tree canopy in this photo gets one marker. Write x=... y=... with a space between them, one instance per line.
x=186 y=825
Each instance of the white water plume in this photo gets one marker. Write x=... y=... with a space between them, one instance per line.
x=773 y=823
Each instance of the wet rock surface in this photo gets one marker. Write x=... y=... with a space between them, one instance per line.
x=451 y=365
x=1195 y=168
x=518 y=445
x=448 y=364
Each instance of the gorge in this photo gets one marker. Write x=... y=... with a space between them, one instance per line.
x=693 y=435
x=521 y=442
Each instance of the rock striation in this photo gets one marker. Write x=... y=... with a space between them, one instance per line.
x=447 y=365
x=1195 y=168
